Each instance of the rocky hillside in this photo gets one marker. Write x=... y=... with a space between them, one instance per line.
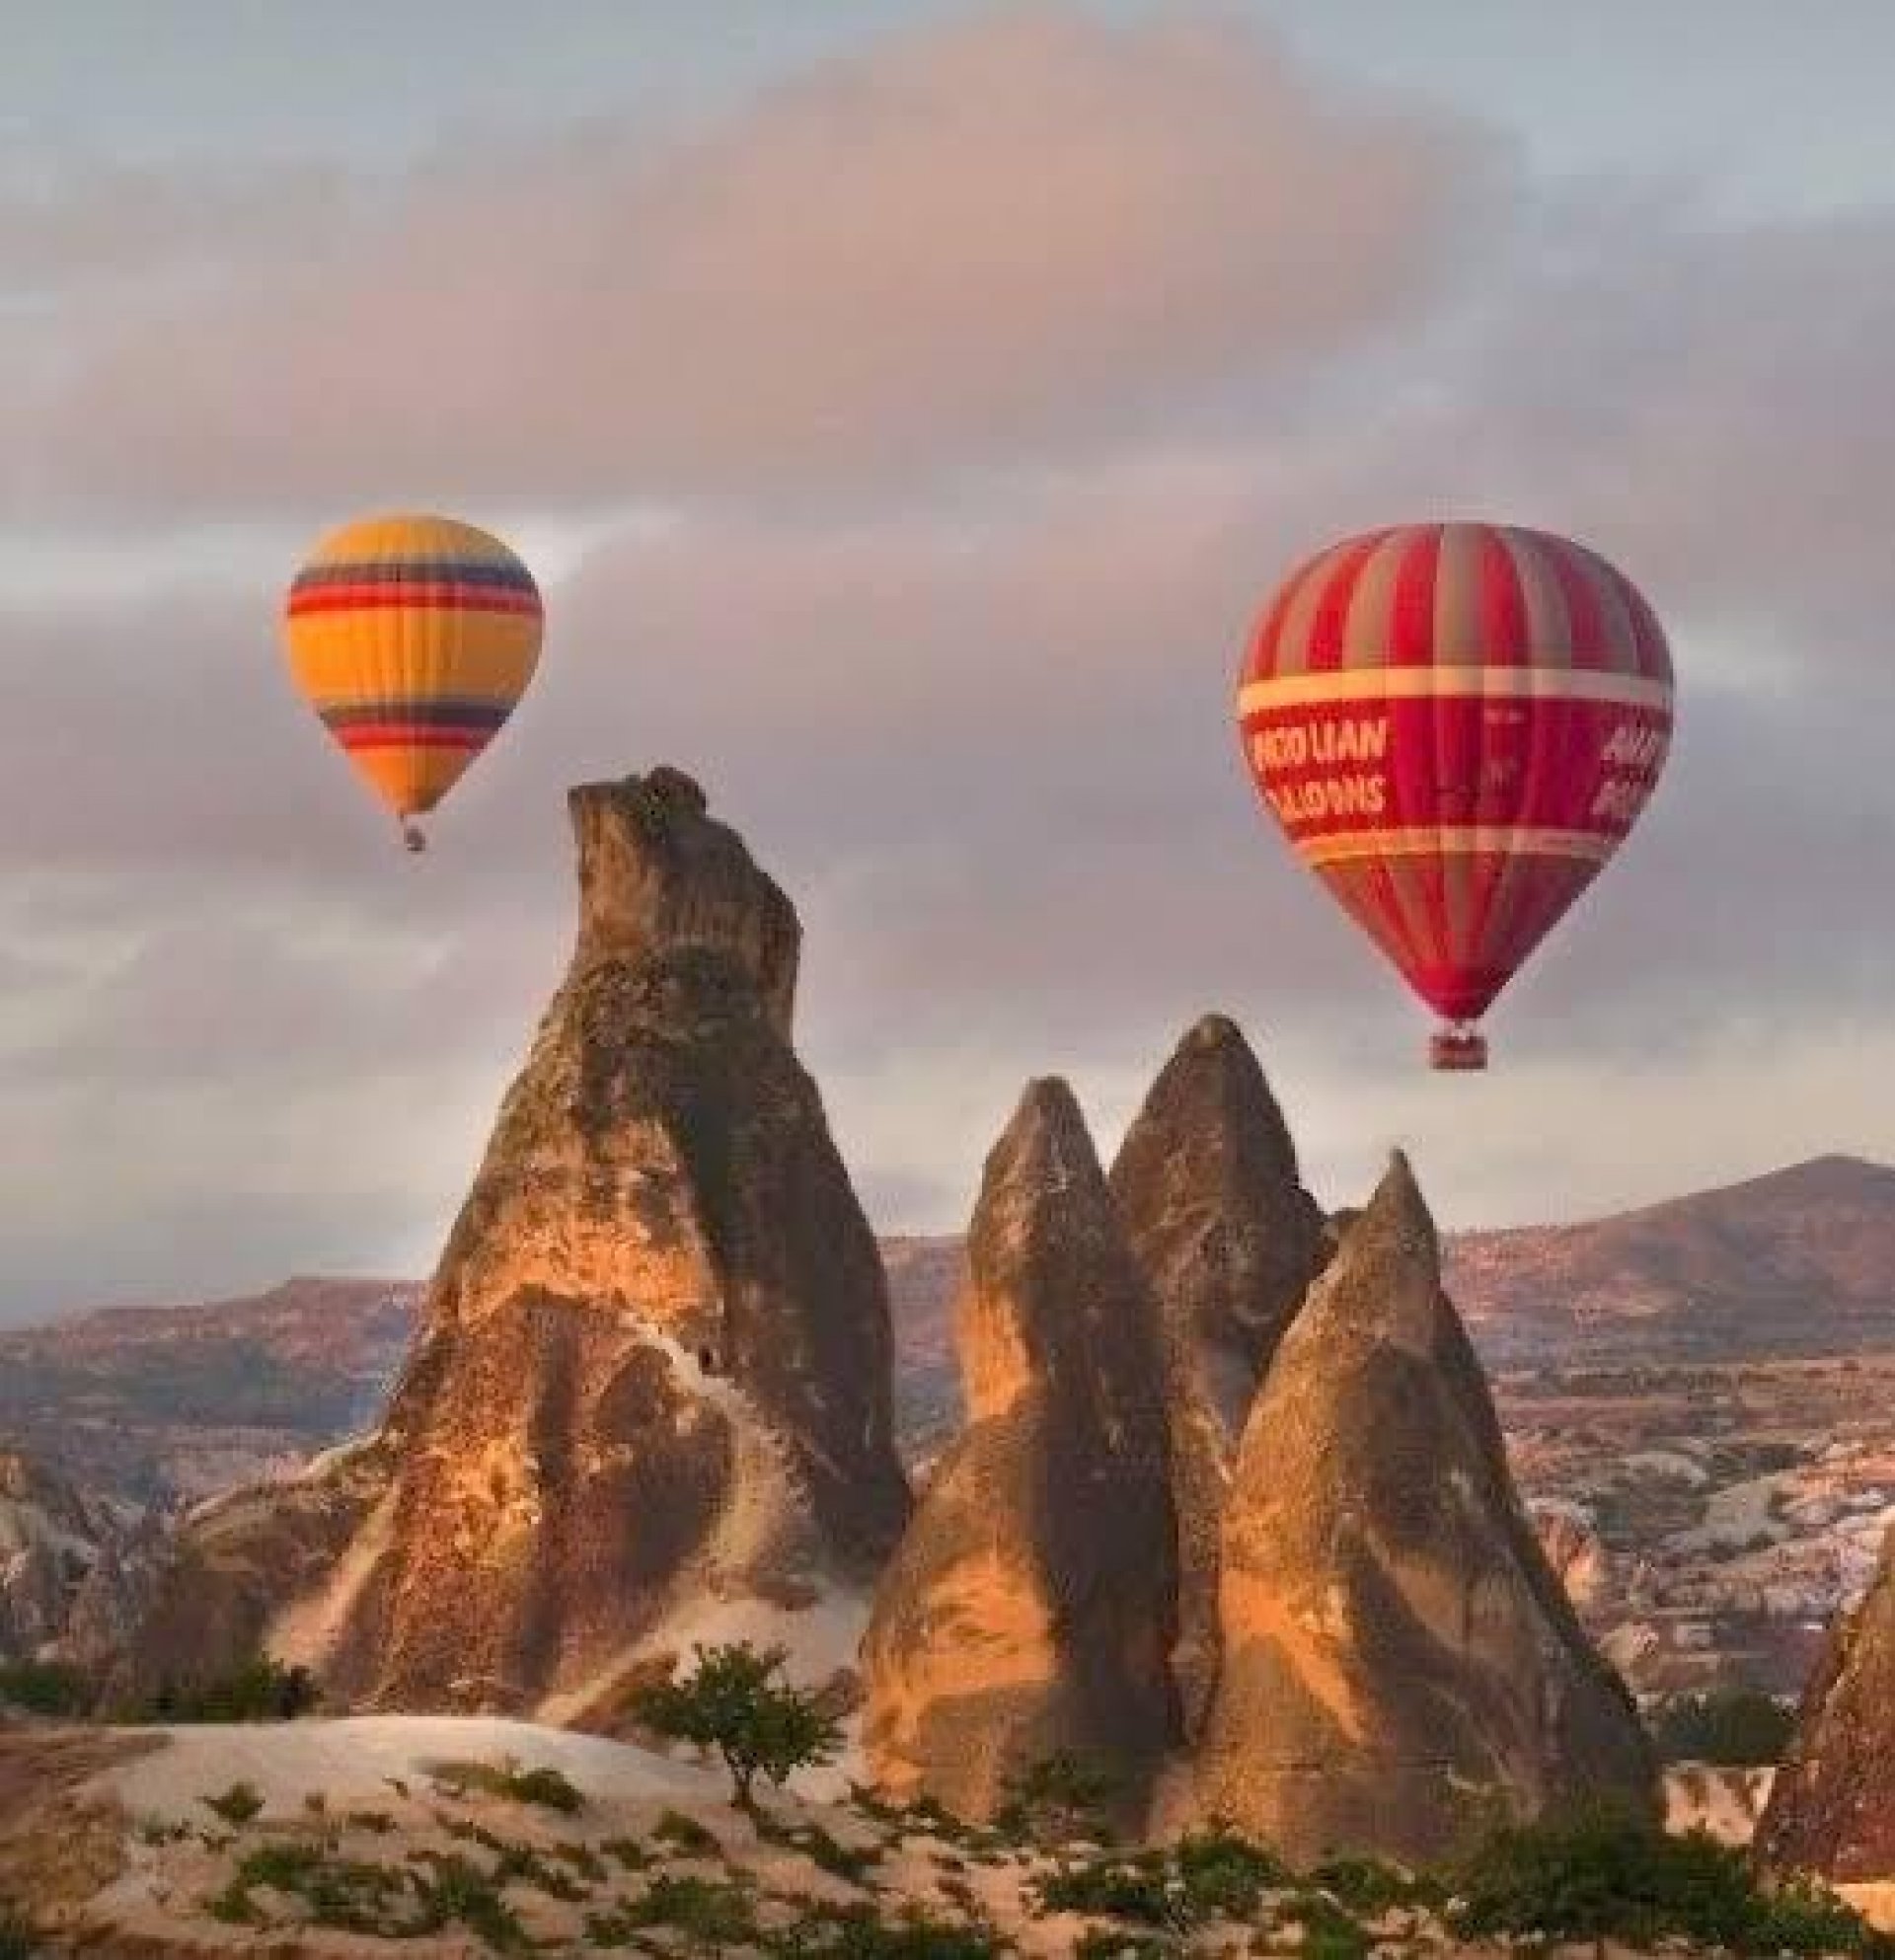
x=153 y=1403
x=74 y=1568
x=1796 y=1265
x=1793 y=1266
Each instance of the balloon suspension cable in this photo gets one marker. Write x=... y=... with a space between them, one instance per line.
x=412 y=836
x=1457 y=1048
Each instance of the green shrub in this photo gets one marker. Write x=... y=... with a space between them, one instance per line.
x=20 y=1939
x=337 y=1893
x=733 y=1702
x=1733 y=1728
x=237 y=1805
x=1329 y=1934
x=685 y=1834
x=704 y=1908
x=824 y=1851
x=45 y=1687
x=1212 y=1874
x=584 y=1859
x=1606 y=1875
x=548 y=1790
x=1110 y=1943
x=460 y=1892
x=1138 y=1888
x=1365 y=1885
x=1224 y=1877
x=1059 y=1798
x=285 y=1866
x=258 y=1691
x=859 y=1932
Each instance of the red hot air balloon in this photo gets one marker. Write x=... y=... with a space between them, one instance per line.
x=1455 y=725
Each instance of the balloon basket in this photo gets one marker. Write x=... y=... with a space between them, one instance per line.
x=411 y=837
x=1457 y=1051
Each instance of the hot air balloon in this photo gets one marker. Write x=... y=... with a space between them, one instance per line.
x=412 y=638
x=1457 y=724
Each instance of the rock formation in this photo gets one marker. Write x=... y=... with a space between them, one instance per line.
x=1032 y=1606
x=1580 y=1558
x=1399 y=1660
x=651 y=1398
x=71 y=1565
x=1832 y=1806
x=1206 y=1181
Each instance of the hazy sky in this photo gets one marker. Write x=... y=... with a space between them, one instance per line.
x=905 y=407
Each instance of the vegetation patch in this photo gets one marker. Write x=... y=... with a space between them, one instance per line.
x=859 y=1932
x=45 y=1687
x=1605 y=1874
x=685 y=1834
x=705 y=1909
x=237 y=1805
x=259 y=1691
x=1058 y=1799
x=1735 y=1728
x=20 y=1939
x=548 y=1789
x=735 y=1703
x=825 y=1852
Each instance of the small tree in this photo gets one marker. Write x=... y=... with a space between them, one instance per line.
x=733 y=1702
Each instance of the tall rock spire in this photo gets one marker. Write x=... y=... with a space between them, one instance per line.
x=1398 y=1657
x=1030 y=1608
x=1206 y=1181
x=1832 y=1804
x=652 y=1383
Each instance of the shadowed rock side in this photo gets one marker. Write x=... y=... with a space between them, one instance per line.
x=1399 y=1662
x=652 y=1386
x=1032 y=1606
x=1217 y=1217
x=1832 y=1806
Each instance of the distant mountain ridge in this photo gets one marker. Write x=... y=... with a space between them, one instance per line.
x=159 y=1402
x=1796 y=1263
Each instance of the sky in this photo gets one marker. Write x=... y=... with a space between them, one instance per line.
x=905 y=409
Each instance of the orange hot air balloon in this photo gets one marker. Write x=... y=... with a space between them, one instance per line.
x=412 y=638
x=1455 y=725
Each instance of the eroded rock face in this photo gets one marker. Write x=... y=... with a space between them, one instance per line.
x=70 y=1563
x=652 y=1386
x=1206 y=1181
x=1399 y=1661
x=1032 y=1606
x=1832 y=1805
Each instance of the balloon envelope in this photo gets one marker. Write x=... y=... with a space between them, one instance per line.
x=1455 y=725
x=413 y=636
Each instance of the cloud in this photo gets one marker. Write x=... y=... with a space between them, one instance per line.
x=1022 y=230
x=957 y=660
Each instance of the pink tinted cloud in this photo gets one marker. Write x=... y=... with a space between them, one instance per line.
x=1023 y=229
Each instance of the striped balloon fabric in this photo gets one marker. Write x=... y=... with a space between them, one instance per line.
x=1455 y=725
x=413 y=636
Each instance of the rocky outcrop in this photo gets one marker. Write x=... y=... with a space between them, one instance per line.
x=1399 y=1660
x=1580 y=1558
x=1206 y=1181
x=69 y=1562
x=1832 y=1806
x=651 y=1398
x=1032 y=1606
